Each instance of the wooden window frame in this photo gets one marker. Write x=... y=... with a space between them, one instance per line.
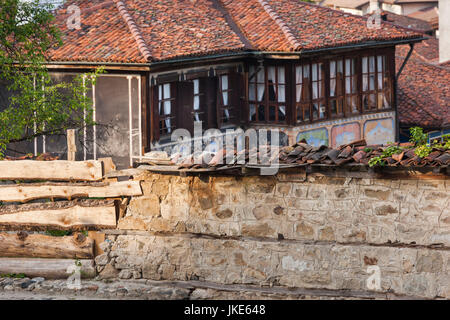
x=266 y=103
x=220 y=101
x=386 y=91
x=162 y=127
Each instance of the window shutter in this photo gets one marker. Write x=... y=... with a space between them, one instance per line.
x=185 y=106
x=154 y=114
x=211 y=93
x=236 y=83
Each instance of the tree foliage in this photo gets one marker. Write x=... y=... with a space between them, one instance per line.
x=37 y=105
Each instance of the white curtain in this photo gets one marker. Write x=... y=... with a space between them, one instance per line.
x=315 y=86
x=281 y=86
x=261 y=84
x=167 y=106
x=332 y=78
x=224 y=90
x=299 y=82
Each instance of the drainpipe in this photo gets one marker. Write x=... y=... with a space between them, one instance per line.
x=397 y=120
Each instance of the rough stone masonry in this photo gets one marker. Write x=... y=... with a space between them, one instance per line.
x=287 y=231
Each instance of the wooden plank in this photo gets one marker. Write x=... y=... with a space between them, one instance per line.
x=24 y=245
x=23 y=193
x=75 y=217
x=71 y=146
x=46 y=268
x=51 y=170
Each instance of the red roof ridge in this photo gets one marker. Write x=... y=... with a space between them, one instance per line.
x=283 y=26
x=137 y=35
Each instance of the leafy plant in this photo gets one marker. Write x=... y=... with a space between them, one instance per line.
x=418 y=137
x=387 y=152
x=423 y=151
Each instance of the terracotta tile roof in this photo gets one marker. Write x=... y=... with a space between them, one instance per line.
x=302 y=154
x=423 y=94
x=318 y=27
x=425 y=51
x=104 y=35
x=151 y=30
x=407 y=22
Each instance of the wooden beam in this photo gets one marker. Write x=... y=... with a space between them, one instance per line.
x=24 y=245
x=23 y=193
x=46 y=268
x=51 y=170
x=70 y=216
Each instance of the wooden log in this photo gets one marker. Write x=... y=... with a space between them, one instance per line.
x=72 y=217
x=46 y=268
x=98 y=238
x=22 y=244
x=51 y=170
x=23 y=193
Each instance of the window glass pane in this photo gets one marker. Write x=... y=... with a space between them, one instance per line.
x=167 y=91
x=281 y=93
x=261 y=75
x=371 y=82
x=371 y=64
x=160 y=96
x=251 y=93
x=314 y=72
x=252 y=112
x=225 y=82
x=298 y=75
x=315 y=90
x=261 y=89
x=196 y=102
x=364 y=64
x=271 y=76
x=196 y=86
x=299 y=92
x=380 y=81
x=281 y=78
x=380 y=63
x=261 y=113
x=320 y=71
x=272 y=110
x=332 y=78
x=365 y=82
x=167 y=107
x=306 y=71
x=225 y=98
x=251 y=71
x=348 y=85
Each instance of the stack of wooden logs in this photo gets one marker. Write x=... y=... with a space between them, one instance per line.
x=44 y=196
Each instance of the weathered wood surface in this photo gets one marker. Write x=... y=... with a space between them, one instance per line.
x=71 y=145
x=61 y=215
x=22 y=244
x=23 y=193
x=51 y=170
x=47 y=268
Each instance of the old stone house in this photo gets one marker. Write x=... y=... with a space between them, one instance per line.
x=313 y=72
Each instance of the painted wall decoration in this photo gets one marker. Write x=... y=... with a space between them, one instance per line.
x=315 y=137
x=380 y=131
x=345 y=133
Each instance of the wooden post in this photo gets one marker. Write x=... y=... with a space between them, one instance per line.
x=71 y=146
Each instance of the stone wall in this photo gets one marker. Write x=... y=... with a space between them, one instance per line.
x=287 y=231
